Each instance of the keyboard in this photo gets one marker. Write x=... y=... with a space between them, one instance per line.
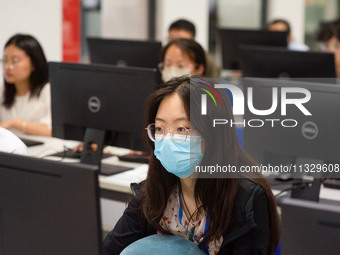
x=137 y=158
x=332 y=183
x=107 y=169
x=29 y=142
x=69 y=153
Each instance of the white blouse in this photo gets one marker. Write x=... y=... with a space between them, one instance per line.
x=35 y=109
x=11 y=143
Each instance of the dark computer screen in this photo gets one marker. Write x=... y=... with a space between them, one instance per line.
x=314 y=136
x=124 y=52
x=309 y=227
x=266 y=62
x=287 y=137
x=100 y=104
x=48 y=207
x=232 y=39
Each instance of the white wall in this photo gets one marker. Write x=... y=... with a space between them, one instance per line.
x=197 y=11
x=291 y=10
x=127 y=19
x=40 y=18
x=111 y=211
x=331 y=9
x=239 y=14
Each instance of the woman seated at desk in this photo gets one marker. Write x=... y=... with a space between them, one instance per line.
x=222 y=215
x=179 y=57
x=182 y=56
x=25 y=96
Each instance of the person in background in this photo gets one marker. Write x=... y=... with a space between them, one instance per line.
x=25 y=95
x=284 y=26
x=185 y=29
x=182 y=56
x=10 y=143
x=221 y=214
x=179 y=57
x=329 y=37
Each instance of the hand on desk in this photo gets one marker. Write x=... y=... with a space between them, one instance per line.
x=80 y=147
x=139 y=153
x=94 y=147
x=133 y=156
x=25 y=127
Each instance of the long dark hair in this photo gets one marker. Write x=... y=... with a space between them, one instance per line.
x=222 y=148
x=39 y=76
x=189 y=47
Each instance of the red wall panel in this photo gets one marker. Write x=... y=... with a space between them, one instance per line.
x=71 y=30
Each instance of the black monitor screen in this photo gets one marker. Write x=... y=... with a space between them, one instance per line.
x=100 y=104
x=266 y=62
x=124 y=52
x=287 y=134
x=48 y=207
x=232 y=39
x=309 y=227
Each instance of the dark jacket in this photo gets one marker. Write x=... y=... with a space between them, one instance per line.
x=249 y=231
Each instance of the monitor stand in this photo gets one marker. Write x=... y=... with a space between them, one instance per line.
x=97 y=136
x=307 y=190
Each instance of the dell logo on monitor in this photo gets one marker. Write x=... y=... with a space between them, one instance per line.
x=309 y=130
x=121 y=63
x=94 y=104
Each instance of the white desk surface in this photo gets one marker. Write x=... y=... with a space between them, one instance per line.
x=120 y=182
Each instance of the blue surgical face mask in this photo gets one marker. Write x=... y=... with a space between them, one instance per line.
x=179 y=159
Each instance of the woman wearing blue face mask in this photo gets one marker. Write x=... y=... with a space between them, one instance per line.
x=225 y=215
x=182 y=56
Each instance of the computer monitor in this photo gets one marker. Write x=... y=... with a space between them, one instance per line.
x=295 y=143
x=268 y=62
x=310 y=228
x=100 y=104
x=232 y=39
x=294 y=134
x=48 y=207
x=124 y=52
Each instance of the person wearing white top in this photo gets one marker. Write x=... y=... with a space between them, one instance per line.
x=25 y=101
x=11 y=143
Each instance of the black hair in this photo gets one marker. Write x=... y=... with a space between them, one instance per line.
x=190 y=47
x=328 y=29
x=39 y=76
x=276 y=21
x=183 y=24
